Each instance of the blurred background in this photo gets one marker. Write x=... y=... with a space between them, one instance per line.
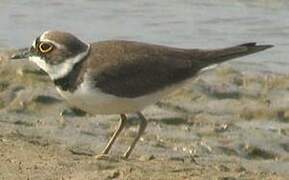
x=229 y=123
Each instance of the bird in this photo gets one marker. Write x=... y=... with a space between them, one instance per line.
x=120 y=76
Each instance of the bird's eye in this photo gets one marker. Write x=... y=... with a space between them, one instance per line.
x=45 y=47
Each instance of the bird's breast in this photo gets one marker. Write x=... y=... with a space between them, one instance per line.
x=94 y=101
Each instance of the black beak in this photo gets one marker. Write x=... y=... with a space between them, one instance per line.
x=23 y=53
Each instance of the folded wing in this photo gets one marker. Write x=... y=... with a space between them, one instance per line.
x=133 y=69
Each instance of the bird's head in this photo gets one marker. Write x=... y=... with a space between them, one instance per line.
x=55 y=52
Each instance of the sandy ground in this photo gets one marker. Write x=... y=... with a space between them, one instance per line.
x=226 y=124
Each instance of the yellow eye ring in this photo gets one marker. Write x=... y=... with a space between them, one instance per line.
x=45 y=47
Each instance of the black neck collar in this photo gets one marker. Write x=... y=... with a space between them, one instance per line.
x=74 y=78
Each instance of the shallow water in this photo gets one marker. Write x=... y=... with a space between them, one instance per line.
x=182 y=23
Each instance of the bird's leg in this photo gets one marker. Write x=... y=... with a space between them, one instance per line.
x=121 y=125
x=142 y=127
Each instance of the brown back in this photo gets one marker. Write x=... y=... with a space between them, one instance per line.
x=131 y=69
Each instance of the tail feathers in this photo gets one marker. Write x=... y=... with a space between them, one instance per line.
x=253 y=47
x=221 y=55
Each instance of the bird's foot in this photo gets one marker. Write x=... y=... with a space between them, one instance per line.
x=124 y=158
x=102 y=157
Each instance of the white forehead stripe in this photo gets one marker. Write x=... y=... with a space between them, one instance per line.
x=42 y=37
x=34 y=43
x=59 y=70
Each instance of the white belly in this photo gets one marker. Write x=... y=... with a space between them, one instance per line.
x=94 y=101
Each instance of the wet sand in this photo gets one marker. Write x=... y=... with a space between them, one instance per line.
x=226 y=124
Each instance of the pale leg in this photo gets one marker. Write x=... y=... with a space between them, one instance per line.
x=142 y=127
x=121 y=125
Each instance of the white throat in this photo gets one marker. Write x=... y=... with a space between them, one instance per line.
x=59 y=70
